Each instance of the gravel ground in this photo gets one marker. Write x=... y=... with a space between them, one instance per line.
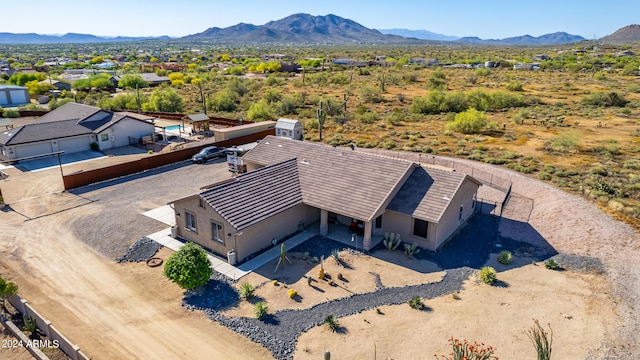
x=119 y=203
x=141 y=250
x=280 y=331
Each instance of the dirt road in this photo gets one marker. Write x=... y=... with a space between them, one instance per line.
x=111 y=311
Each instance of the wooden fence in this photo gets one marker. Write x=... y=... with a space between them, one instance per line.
x=83 y=178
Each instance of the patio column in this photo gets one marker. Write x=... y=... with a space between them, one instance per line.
x=324 y=222
x=366 y=241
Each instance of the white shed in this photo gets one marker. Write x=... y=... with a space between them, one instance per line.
x=289 y=128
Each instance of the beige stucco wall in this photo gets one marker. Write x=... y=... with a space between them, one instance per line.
x=394 y=222
x=253 y=239
x=449 y=222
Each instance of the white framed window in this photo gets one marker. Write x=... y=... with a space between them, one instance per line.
x=190 y=220
x=216 y=232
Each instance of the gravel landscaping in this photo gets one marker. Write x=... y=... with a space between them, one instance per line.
x=279 y=332
x=141 y=250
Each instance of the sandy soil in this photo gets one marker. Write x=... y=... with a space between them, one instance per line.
x=111 y=311
x=132 y=311
x=495 y=315
x=358 y=272
x=7 y=351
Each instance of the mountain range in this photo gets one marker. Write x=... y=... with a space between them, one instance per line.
x=70 y=38
x=328 y=29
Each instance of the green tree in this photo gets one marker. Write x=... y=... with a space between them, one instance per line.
x=21 y=79
x=272 y=95
x=224 y=101
x=132 y=81
x=7 y=288
x=38 y=88
x=165 y=100
x=471 y=121
x=188 y=267
x=260 y=111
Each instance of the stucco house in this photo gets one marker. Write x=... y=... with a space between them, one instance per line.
x=295 y=182
x=72 y=128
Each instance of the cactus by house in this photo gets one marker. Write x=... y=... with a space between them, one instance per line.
x=391 y=241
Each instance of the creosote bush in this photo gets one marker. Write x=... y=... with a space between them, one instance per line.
x=487 y=275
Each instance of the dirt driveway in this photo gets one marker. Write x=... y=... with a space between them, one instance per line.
x=111 y=311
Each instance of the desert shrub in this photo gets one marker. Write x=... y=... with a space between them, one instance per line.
x=437 y=80
x=388 y=144
x=339 y=79
x=487 y=275
x=551 y=264
x=541 y=339
x=634 y=88
x=9 y=113
x=566 y=142
x=370 y=94
x=505 y=257
x=543 y=175
x=416 y=303
x=335 y=254
x=633 y=164
x=30 y=324
x=464 y=350
x=272 y=95
x=468 y=122
x=598 y=170
x=514 y=85
x=600 y=76
x=247 y=290
x=482 y=72
x=395 y=118
x=520 y=116
x=331 y=323
x=369 y=117
x=261 y=310
x=223 y=101
x=605 y=99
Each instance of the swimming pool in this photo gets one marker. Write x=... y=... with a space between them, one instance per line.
x=173 y=127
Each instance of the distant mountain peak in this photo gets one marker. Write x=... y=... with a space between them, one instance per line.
x=629 y=34
x=301 y=28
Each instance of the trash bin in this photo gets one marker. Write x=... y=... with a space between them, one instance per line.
x=174 y=232
x=231 y=257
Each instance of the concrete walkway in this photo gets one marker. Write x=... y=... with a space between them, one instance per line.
x=165 y=215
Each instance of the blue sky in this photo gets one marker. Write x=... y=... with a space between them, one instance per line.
x=485 y=19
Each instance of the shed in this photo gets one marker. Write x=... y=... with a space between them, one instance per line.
x=289 y=128
x=12 y=95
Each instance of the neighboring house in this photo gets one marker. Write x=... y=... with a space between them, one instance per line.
x=12 y=95
x=294 y=182
x=72 y=128
x=150 y=78
x=289 y=128
x=57 y=84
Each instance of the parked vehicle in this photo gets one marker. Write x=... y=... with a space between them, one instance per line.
x=208 y=153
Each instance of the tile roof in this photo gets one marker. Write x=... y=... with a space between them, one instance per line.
x=339 y=180
x=257 y=195
x=69 y=111
x=427 y=193
x=42 y=131
x=71 y=119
